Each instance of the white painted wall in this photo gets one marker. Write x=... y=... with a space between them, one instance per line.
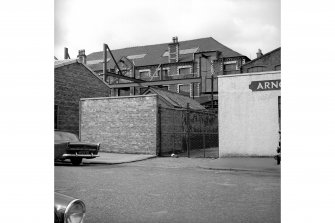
x=248 y=120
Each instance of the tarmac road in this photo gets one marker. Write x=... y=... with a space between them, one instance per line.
x=171 y=190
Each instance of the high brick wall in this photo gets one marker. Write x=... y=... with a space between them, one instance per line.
x=121 y=124
x=72 y=82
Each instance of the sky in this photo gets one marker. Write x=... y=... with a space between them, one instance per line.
x=242 y=25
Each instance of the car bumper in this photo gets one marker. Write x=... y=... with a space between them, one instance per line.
x=87 y=156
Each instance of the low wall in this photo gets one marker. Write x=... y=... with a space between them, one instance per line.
x=120 y=124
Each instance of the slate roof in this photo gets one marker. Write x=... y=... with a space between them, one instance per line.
x=60 y=63
x=154 y=53
x=206 y=98
x=251 y=61
x=174 y=99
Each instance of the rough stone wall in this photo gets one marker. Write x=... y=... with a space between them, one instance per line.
x=121 y=124
x=71 y=83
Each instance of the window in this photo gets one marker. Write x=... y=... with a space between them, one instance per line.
x=208 y=85
x=165 y=72
x=183 y=70
x=228 y=67
x=256 y=69
x=144 y=74
x=184 y=89
x=56 y=117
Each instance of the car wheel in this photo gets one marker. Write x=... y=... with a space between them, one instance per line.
x=76 y=161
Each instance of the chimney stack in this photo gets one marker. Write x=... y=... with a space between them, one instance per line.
x=81 y=56
x=259 y=53
x=173 y=49
x=66 y=53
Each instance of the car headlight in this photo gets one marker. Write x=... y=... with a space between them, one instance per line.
x=75 y=212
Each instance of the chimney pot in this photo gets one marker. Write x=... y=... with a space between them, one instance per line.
x=81 y=56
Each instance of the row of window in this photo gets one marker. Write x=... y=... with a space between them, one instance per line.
x=183 y=70
x=185 y=89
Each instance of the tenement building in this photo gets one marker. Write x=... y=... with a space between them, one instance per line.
x=187 y=67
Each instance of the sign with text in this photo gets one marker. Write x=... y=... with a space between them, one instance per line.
x=268 y=85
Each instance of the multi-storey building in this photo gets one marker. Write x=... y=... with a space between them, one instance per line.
x=187 y=67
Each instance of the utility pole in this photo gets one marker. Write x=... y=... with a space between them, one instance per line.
x=104 y=68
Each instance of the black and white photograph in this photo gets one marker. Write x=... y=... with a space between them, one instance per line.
x=167 y=111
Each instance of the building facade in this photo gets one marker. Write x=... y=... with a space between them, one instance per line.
x=73 y=81
x=187 y=67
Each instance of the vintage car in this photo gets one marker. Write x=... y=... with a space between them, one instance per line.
x=68 y=209
x=68 y=146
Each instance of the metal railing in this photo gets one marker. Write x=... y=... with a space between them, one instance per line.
x=188 y=132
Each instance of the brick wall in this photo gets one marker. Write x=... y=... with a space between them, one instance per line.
x=121 y=124
x=72 y=82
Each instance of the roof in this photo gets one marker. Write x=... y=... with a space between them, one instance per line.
x=157 y=54
x=206 y=98
x=62 y=63
x=251 y=61
x=174 y=99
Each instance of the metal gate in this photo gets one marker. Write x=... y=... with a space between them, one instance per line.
x=188 y=133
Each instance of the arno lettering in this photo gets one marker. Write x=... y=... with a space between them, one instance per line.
x=268 y=85
x=265 y=85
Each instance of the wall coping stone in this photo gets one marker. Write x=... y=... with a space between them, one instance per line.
x=120 y=97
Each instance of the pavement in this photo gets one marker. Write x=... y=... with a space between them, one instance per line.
x=117 y=158
x=257 y=164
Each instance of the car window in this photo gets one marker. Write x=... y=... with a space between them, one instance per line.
x=65 y=136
